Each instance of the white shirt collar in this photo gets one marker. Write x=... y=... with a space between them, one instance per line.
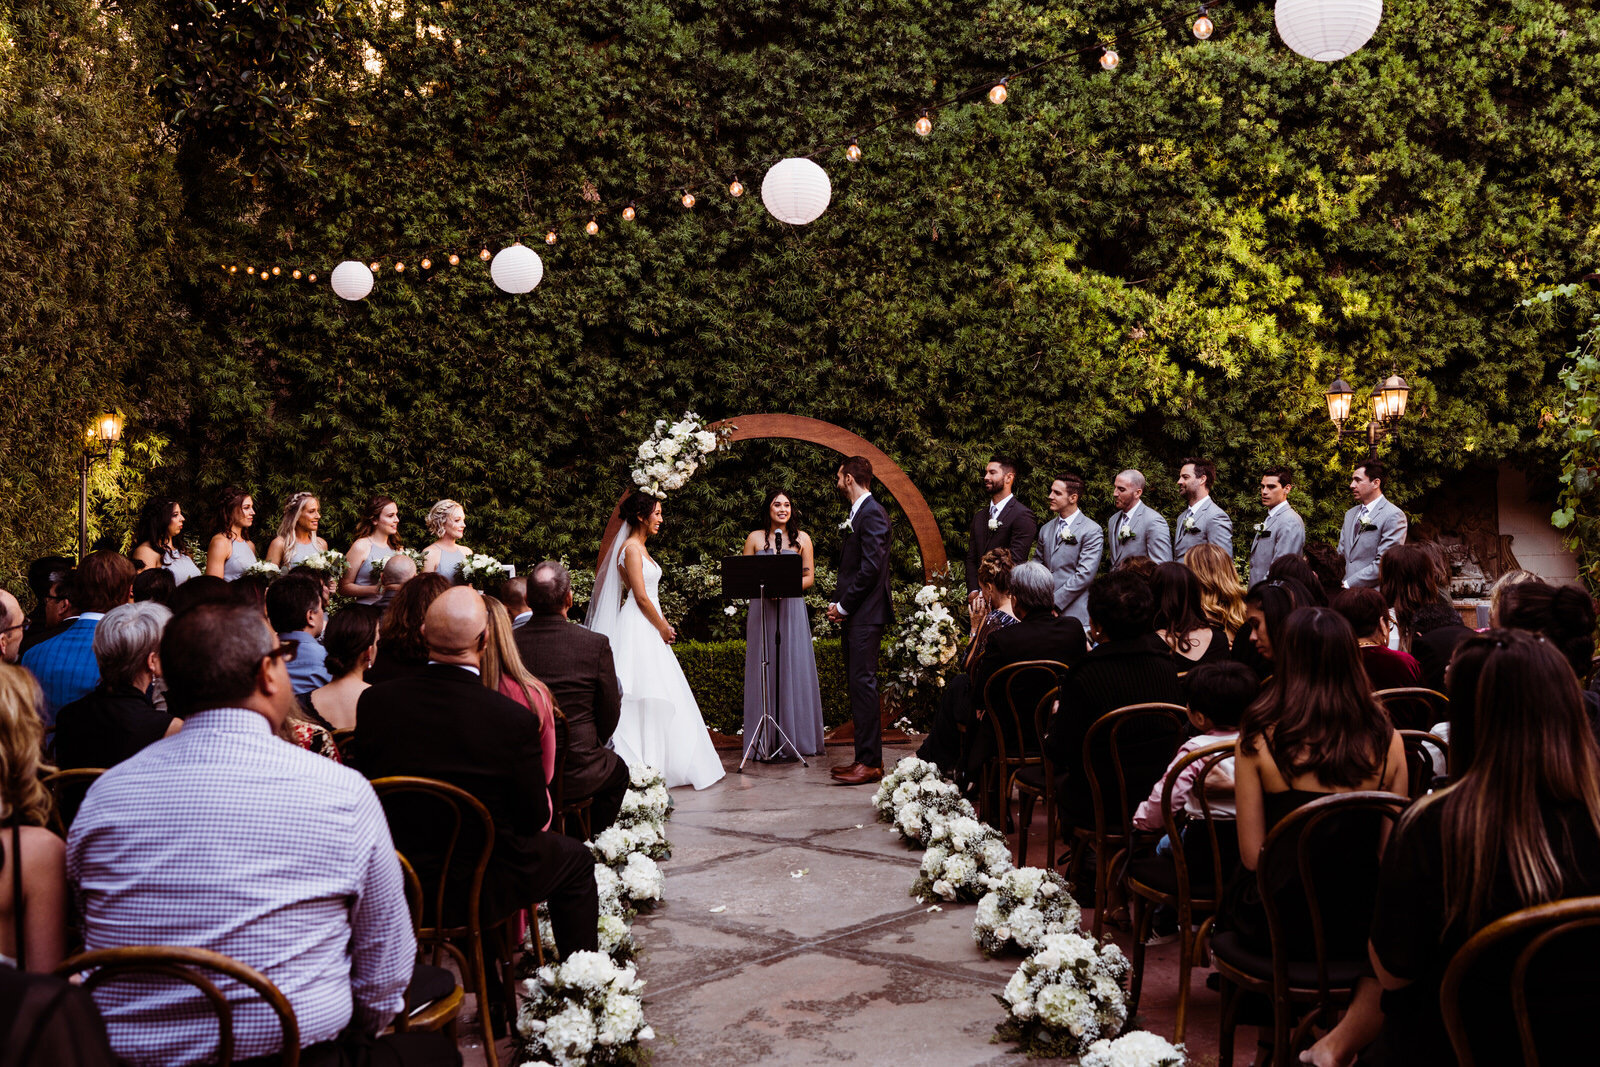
x=1128 y=515
x=995 y=509
x=857 y=505
x=1276 y=508
x=1195 y=509
x=463 y=666
x=92 y=616
x=522 y=617
x=1368 y=509
x=1068 y=520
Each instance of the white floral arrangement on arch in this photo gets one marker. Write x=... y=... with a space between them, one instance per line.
x=965 y=859
x=1065 y=997
x=585 y=1010
x=925 y=647
x=668 y=458
x=327 y=564
x=1028 y=905
x=1137 y=1048
x=481 y=571
x=261 y=566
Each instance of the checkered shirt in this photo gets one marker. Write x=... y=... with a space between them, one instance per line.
x=225 y=837
x=65 y=666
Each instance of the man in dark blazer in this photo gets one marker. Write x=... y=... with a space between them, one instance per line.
x=575 y=662
x=444 y=723
x=862 y=607
x=1004 y=522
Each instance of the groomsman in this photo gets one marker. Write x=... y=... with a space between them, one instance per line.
x=1371 y=528
x=1071 y=546
x=1005 y=523
x=1134 y=529
x=1203 y=520
x=1282 y=532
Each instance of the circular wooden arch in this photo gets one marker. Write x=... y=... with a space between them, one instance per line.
x=930 y=543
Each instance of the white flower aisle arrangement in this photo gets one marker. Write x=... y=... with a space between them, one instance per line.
x=1028 y=905
x=668 y=458
x=965 y=859
x=482 y=572
x=1065 y=997
x=1137 y=1048
x=616 y=843
x=615 y=935
x=586 y=1010
x=923 y=808
x=909 y=769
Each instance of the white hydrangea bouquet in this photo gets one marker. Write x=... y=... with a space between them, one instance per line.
x=671 y=454
x=1137 y=1048
x=261 y=566
x=585 y=1010
x=965 y=859
x=646 y=802
x=909 y=769
x=482 y=572
x=924 y=649
x=613 y=845
x=632 y=879
x=328 y=564
x=1065 y=997
x=926 y=806
x=1029 y=904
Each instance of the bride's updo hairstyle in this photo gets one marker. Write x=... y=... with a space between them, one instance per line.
x=637 y=506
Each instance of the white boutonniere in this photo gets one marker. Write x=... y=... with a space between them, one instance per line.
x=1189 y=525
x=1067 y=536
x=1261 y=530
x=1125 y=533
x=1365 y=524
x=994 y=523
x=845 y=527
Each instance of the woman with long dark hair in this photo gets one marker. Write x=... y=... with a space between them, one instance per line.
x=793 y=693
x=1409 y=580
x=229 y=554
x=1181 y=620
x=159 y=540
x=401 y=648
x=377 y=539
x=1266 y=609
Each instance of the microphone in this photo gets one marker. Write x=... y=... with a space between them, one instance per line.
x=778 y=539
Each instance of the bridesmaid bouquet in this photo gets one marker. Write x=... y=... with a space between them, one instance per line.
x=671 y=454
x=482 y=572
x=328 y=564
x=1028 y=904
x=1066 y=997
x=586 y=1010
x=261 y=566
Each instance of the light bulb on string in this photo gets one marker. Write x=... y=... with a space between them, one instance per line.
x=688 y=199
x=265 y=275
x=276 y=272
x=454 y=259
x=373 y=266
x=311 y=278
x=233 y=270
x=427 y=264
x=295 y=275
x=484 y=255
x=628 y=212
x=550 y=237
x=249 y=270
x=1203 y=26
x=399 y=267
x=998 y=94
x=1109 y=59
x=853 y=153
x=736 y=187
x=593 y=227
x=924 y=125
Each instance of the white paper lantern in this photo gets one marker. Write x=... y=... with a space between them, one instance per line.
x=352 y=280
x=1327 y=30
x=796 y=191
x=516 y=268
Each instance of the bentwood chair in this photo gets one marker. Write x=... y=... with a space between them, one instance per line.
x=1159 y=880
x=1310 y=847
x=1125 y=751
x=1414 y=707
x=452 y=864
x=1010 y=693
x=1473 y=996
x=67 y=790
x=423 y=1010
x=1419 y=760
x=185 y=964
x=1037 y=782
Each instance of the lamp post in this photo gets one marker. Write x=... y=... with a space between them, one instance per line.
x=104 y=432
x=1388 y=405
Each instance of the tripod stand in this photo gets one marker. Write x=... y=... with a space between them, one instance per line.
x=757 y=578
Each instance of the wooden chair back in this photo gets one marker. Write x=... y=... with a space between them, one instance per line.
x=67 y=790
x=1015 y=682
x=185 y=965
x=1419 y=760
x=1165 y=722
x=1535 y=930
x=404 y=798
x=1209 y=757
x=1414 y=706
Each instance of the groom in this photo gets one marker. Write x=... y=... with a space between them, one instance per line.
x=863 y=609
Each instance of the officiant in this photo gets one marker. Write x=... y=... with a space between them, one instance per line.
x=792 y=678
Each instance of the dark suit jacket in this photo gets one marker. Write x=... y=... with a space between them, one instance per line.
x=1016 y=531
x=575 y=662
x=864 y=567
x=1434 y=650
x=443 y=723
x=1039 y=636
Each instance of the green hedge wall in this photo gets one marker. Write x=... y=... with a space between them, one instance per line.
x=715 y=670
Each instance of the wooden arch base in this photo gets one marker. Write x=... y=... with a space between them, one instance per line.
x=930 y=543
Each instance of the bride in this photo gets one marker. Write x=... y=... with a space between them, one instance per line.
x=660 y=724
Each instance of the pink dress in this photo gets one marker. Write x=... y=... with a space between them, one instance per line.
x=547 y=731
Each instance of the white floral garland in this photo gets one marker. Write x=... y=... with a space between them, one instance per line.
x=1137 y=1048
x=668 y=458
x=1066 y=996
x=1029 y=904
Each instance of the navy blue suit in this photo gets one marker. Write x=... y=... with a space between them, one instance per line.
x=864 y=596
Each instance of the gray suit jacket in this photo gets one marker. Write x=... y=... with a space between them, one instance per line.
x=1211 y=525
x=1283 y=534
x=1148 y=535
x=1363 y=548
x=1072 y=565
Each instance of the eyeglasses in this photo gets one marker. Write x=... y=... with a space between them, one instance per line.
x=285 y=651
x=23 y=626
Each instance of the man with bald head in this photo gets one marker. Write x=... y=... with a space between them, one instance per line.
x=13 y=623
x=398 y=569
x=1135 y=529
x=444 y=723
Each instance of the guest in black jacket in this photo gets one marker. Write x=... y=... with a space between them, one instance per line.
x=401 y=648
x=1129 y=665
x=575 y=662
x=117 y=718
x=443 y=723
x=1436 y=632
x=1038 y=634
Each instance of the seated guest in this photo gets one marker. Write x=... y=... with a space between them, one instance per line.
x=513 y=593
x=1409 y=581
x=251 y=590
x=1520 y=827
x=576 y=664
x=154 y=584
x=1501 y=586
x=351 y=644
x=1129 y=664
x=945 y=741
x=50 y=605
x=1218 y=695
x=294 y=607
x=65 y=664
x=1143 y=566
x=1266 y=607
x=444 y=723
x=33 y=930
x=397 y=570
x=1368 y=616
x=13 y=625
x=1180 y=619
x=1299 y=569
x=1328 y=565
x=1564 y=614
x=1221 y=595
x=401 y=648
x=1436 y=631
x=188 y=843
x=160 y=537
x=504 y=673
x=117 y=718
x=202 y=590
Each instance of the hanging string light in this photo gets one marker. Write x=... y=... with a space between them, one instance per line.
x=550 y=237
x=1203 y=26
x=312 y=278
x=853 y=153
x=373 y=266
x=1109 y=59
x=628 y=211
x=454 y=259
x=688 y=199
x=295 y=275
x=998 y=94
x=275 y=272
x=484 y=254
x=593 y=227
x=736 y=188
x=427 y=264
x=265 y=275
x=399 y=267
x=924 y=124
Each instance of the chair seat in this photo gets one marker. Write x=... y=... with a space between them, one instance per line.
x=1158 y=872
x=1231 y=949
x=1032 y=777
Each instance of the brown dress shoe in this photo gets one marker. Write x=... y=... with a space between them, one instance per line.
x=863 y=775
x=845 y=770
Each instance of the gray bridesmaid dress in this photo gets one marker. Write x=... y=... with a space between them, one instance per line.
x=241 y=557
x=377 y=556
x=450 y=564
x=795 y=665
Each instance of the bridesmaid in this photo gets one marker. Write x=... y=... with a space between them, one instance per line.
x=799 y=699
x=297 y=533
x=161 y=545
x=447 y=521
x=377 y=539
x=229 y=555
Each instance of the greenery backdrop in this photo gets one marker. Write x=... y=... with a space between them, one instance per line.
x=1106 y=271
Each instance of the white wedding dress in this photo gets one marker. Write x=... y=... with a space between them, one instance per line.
x=660 y=725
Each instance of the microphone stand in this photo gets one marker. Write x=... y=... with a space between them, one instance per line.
x=770 y=717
